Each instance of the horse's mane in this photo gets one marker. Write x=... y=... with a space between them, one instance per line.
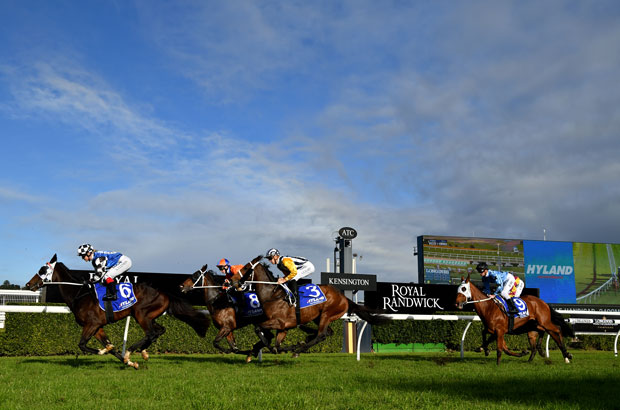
x=268 y=272
x=217 y=279
x=76 y=276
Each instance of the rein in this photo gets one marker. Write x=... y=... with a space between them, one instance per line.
x=63 y=283
x=477 y=301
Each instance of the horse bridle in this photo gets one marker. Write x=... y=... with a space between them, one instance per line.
x=467 y=298
x=204 y=286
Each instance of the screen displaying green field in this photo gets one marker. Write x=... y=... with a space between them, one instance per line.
x=445 y=259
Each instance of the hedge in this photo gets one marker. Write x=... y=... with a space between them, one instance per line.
x=38 y=334
x=45 y=334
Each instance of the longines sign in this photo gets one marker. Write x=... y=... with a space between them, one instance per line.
x=347 y=281
x=412 y=298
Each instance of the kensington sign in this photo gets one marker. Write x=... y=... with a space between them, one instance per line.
x=349 y=281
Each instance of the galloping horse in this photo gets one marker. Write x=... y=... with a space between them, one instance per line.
x=282 y=316
x=84 y=305
x=542 y=318
x=223 y=313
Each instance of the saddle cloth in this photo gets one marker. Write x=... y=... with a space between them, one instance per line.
x=519 y=304
x=251 y=304
x=125 y=296
x=309 y=295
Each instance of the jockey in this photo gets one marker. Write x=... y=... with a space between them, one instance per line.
x=227 y=269
x=293 y=267
x=108 y=265
x=508 y=286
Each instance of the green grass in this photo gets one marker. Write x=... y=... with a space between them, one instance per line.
x=315 y=381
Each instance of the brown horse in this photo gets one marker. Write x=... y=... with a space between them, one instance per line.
x=282 y=316
x=83 y=303
x=542 y=318
x=222 y=311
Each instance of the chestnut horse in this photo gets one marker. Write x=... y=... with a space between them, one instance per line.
x=223 y=313
x=83 y=303
x=542 y=318
x=282 y=316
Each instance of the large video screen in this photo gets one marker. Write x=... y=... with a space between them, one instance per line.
x=564 y=272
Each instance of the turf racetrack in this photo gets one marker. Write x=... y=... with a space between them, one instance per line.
x=313 y=381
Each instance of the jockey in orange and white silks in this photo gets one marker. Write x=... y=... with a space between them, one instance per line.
x=227 y=269
x=293 y=267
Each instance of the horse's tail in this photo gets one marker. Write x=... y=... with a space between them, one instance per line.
x=558 y=319
x=372 y=316
x=183 y=311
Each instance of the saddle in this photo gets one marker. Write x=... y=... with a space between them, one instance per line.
x=126 y=298
x=520 y=309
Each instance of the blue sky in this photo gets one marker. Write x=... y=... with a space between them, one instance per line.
x=182 y=132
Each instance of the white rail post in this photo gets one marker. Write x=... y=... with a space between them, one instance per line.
x=125 y=335
x=463 y=339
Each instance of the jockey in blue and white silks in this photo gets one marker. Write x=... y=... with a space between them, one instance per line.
x=108 y=265
x=508 y=286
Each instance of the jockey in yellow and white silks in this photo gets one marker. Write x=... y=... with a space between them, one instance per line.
x=293 y=267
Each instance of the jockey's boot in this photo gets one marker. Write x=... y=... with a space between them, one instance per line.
x=240 y=299
x=293 y=287
x=512 y=311
x=110 y=293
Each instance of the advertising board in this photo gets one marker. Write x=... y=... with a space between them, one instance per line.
x=564 y=272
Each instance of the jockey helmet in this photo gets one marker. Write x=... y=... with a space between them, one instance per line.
x=223 y=262
x=482 y=266
x=85 y=249
x=272 y=252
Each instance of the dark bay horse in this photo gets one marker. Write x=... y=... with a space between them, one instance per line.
x=542 y=318
x=223 y=313
x=84 y=305
x=282 y=316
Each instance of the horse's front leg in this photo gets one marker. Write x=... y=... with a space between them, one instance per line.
x=108 y=347
x=533 y=337
x=225 y=332
x=280 y=335
x=88 y=331
x=500 y=346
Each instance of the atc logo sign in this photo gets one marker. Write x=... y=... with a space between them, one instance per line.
x=347 y=233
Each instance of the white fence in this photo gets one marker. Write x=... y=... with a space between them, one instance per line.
x=473 y=318
x=19 y=296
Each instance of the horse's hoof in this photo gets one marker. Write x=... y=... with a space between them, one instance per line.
x=126 y=358
x=248 y=359
x=479 y=350
x=566 y=360
x=106 y=349
x=295 y=355
x=145 y=355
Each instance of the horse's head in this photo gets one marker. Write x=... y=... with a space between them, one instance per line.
x=43 y=275
x=464 y=293
x=245 y=272
x=194 y=280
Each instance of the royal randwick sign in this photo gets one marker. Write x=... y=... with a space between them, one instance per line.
x=412 y=298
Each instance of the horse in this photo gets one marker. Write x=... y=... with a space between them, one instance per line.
x=282 y=315
x=542 y=318
x=223 y=314
x=82 y=301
